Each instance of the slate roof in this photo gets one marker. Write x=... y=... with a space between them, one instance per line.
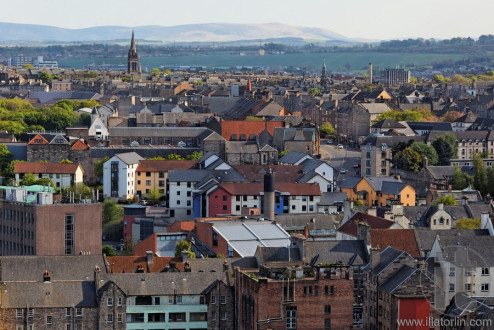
x=297 y=222
x=185 y=132
x=441 y=172
x=280 y=253
x=388 y=256
x=129 y=158
x=158 y=284
x=245 y=236
x=208 y=265
x=201 y=175
x=297 y=189
x=392 y=188
x=55 y=294
x=350 y=182
x=398 y=278
x=390 y=184
x=45 y=97
x=332 y=198
x=400 y=239
x=388 y=124
x=350 y=226
x=292 y=157
x=470 y=117
x=351 y=252
x=426 y=237
x=52 y=168
x=478 y=249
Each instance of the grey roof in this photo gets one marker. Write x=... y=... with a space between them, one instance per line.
x=291 y=222
x=280 y=253
x=184 y=132
x=208 y=265
x=398 y=278
x=129 y=158
x=351 y=252
x=392 y=188
x=350 y=182
x=441 y=172
x=430 y=126
x=388 y=257
x=293 y=134
x=61 y=268
x=388 y=124
x=242 y=147
x=170 y=283
x=378 y=140
x=51 y=294
x=143 y=151
x=204 y=175
x=332 y=198
x=292 y=157
x=479 y=250
x=245 y=236
x=45 y=97
x=377 y=183
x=425 y=236
x=311 y=164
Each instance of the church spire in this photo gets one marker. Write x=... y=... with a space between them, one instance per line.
x=323 y=74
x=133 y=65
x=133 y=43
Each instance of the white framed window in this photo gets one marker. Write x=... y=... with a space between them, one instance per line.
x=78 y=312
x=78 y=326
x=49 y=320
x=223 y=300
x=30 y=313
x=484 y=287
x=222 y=315
x=68 y=311
x=119 y=318
x=213 y=300
x=19 y=313
x=179 y=299
x=109 y=318
x=109 y=302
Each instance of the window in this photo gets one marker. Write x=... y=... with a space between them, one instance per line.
x=451 y=287
x=109 y=302
x=331 y=290
x=30 y=313
x=68 y=311
x=222 y=315
x=291 y=317
x=156 y=300
x=69 y=233
x=468 y=287
x=148 y=182
x=19 y=313
x=225 y=198
x=119 y=301
x=109 y=318
x=223 y=300
x=485 y=271
x=78 y=312
x=68 y=326
x=484 y=287
x=213 y=315
x=213 y=300
x=49 y=319
x=327 y=309
x=179 y=299
x=119 y=318
x=327 y=323
x=304 y=198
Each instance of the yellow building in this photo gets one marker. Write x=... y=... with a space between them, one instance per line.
x=378 y=191
x=153 y=174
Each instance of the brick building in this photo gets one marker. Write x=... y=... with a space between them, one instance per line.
x=281 y=296
x=32 y=225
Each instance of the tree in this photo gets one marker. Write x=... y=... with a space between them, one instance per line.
x=327 y=129
x=109 y=251
x=155 y=71
x=27 y=66
x=196 y=155
x=46 y=182
x=156 y=158
x=425 y=150
x=480 y=175
x=408 y=159
x=154 y=194
x=283 y=153
x=459 y=79
x=253 y=118
x=461 y=180
x=45 y=77
x=5 y=157
x=490 y=180
x=79 y=190
x=468 y=223
x=451 y=116
x=174 y=157
x=314 y=91
x=84 y=120
x=65 y=161
x=98 y=167
x=111 y=211
x=447 y=200
x=28 y=179
x=129 y=244
x=183 y=245
x=445 y=149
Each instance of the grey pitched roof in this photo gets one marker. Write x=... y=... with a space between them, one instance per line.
x=51 y=294
x=352 y=252
x=479 y=250
x=208 y=265
x=292 y=157
x=388 y=256
x=61 y=268
x=441 y=172
x=398 y=278
x=392 y=188
x=45 y=97
x=292 y=222
x=425 y=236
x=332 y=198
x=377 y=183
x=129 y=158
x=350 y=182
x=170 y=283
x=280 y=253
x=185 y=132
x=388 y=124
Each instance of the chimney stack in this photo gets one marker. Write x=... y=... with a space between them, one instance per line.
x=375 y=257
x=364 y=233
x=269 y=195
x=425 y=162
x=149 y=257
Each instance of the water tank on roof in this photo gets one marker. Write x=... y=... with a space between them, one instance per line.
x=44 y=198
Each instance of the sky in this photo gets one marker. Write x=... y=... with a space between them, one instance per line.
x=367 y=19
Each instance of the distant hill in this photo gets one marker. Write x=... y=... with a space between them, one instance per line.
x=217 y=32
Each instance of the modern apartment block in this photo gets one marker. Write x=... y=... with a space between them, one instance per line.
x=31 y=224
x=395 y=76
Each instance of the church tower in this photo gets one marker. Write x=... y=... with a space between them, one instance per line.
x=324 y=78
x=133 y=65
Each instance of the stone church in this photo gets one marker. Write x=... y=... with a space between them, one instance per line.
x=133 y=65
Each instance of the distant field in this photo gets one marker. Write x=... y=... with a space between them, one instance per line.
x=334 y=61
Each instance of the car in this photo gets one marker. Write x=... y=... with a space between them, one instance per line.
x=330 y=141
x=143 y=202
x=163 y=204
x=340 y=146
x=356 y=165
x=343 y=171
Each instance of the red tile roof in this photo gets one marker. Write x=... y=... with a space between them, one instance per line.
x=79 y=145
x=179 y=226
x=238 y=127
x=164 y=165
x=297 y=189
x=350 y=227
x=400 y=239
x=38 y=137
x=53 y=168
x=129 y=264
x=282 y=173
